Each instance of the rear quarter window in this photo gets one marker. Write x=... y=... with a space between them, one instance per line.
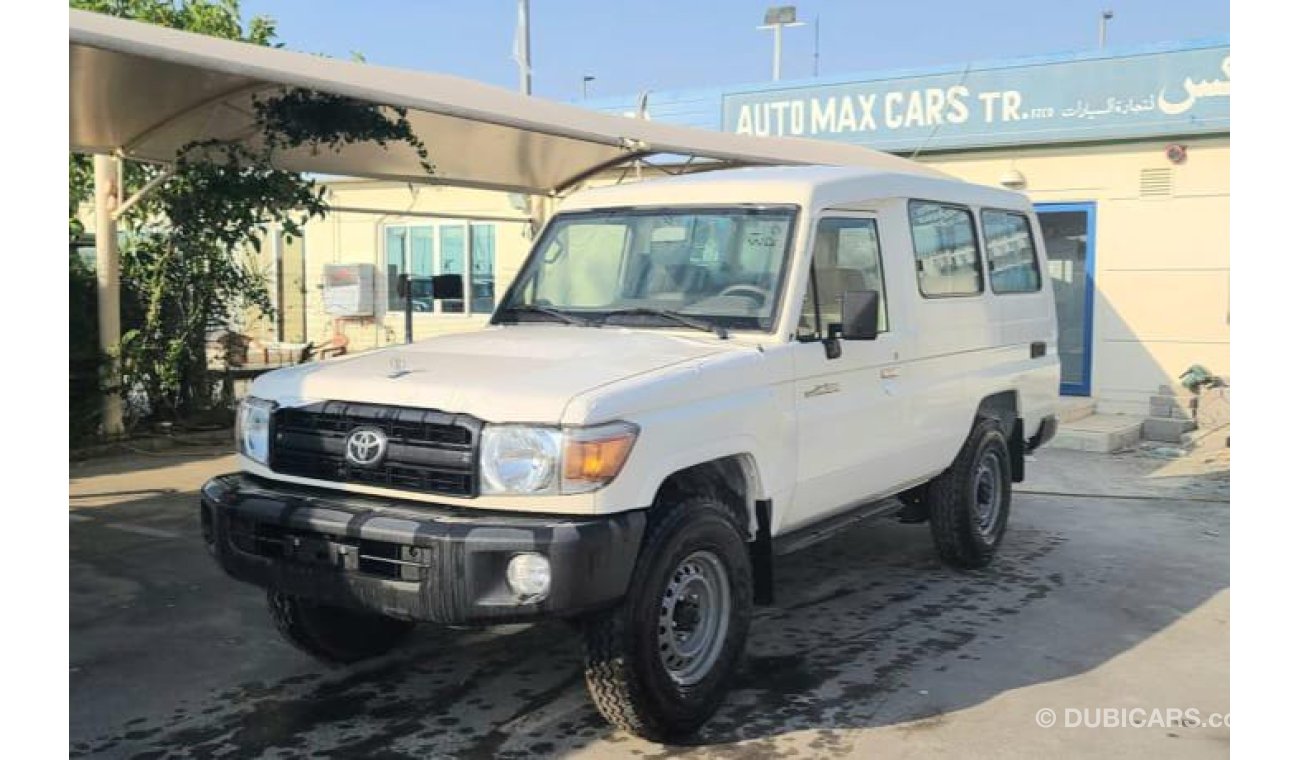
x=947 y=255
x=1009 y=246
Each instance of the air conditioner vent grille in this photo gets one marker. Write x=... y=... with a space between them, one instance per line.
x=1156 y=183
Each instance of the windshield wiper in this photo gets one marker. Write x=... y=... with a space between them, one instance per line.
x=563 y=316
x=675 y=316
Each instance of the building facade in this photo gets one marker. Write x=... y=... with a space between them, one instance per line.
x=1125 y=155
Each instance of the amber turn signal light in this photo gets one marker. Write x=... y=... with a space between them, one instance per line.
x=594 y=456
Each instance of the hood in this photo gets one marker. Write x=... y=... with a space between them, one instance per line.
x=509 y=373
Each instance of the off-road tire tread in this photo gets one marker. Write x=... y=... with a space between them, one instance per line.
x=614 y=687
x=949 y=520
x=615 y=692
x=334 y=635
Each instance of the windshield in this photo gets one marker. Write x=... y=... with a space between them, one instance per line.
x=664 y=267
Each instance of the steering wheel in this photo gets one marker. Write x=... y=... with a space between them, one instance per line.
x=752 y=291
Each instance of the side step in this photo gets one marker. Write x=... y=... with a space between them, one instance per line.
x=816 y=533
x=764 y=548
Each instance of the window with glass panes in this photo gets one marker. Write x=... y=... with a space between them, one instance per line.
x=1009 y=246
x=424 y=250
x=947 y=257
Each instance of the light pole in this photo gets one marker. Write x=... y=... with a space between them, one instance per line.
x=523 y=54
x=586 y=79
x=817 y=45
x=777 y=18
x=1106 y=16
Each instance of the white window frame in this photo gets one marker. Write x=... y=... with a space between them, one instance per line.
x=833 y=214
x=467 y=276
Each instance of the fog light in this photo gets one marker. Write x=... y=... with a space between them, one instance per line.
x=529 y=575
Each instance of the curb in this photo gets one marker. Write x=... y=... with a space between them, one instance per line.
x=154 y=444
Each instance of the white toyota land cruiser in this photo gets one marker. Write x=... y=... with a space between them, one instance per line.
x=687 y=377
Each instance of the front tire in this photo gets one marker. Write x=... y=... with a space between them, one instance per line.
x=970 y=502
x=334 y=634
x=659 y=664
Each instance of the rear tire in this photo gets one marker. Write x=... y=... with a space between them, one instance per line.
x=659 y=664
x=970 y=502
x=334 y=634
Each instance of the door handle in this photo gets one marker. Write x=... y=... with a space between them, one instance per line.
x=889 y=373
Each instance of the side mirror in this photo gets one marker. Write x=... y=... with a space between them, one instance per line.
x=448 y=286
x=861 y=314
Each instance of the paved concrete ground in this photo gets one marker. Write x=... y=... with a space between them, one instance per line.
x=1118 y=599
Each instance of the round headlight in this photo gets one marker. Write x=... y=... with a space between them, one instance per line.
x=529 y=575
x=519 y=459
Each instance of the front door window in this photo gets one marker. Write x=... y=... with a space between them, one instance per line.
x=846 y=257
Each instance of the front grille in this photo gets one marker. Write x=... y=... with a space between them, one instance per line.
x=428 y=451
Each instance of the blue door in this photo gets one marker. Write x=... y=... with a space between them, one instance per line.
x=1069 y=234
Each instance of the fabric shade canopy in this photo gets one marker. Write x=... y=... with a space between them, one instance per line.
x=142 y=92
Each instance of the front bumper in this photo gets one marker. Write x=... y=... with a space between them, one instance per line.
x=412 y=561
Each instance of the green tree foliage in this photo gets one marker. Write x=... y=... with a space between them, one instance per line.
x=215 y=18
x=81 y=183
x=187 y=264
x=83 y=350
x=184 y=262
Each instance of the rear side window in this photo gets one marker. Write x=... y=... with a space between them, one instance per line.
x=1009 y=246
x=947 y=258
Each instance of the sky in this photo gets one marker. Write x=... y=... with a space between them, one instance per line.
x=678 y=44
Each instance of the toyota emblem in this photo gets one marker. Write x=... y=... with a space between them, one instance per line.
x=365 y=446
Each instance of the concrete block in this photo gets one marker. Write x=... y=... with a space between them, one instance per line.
x=1172 y=409
x=1165 y=429
x=1099 y=433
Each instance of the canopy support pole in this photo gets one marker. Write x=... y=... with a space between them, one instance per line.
x=592 y=171
x=107 y=265
x=124 y=205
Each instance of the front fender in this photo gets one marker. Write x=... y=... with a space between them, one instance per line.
x=727 y=407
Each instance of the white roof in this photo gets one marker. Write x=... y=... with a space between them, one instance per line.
x=144 y=91
x=811 y=186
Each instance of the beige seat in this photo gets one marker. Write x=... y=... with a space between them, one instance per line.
x=832 y=281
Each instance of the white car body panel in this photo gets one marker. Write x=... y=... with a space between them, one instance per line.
x=902 y=405
x=520 y=373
